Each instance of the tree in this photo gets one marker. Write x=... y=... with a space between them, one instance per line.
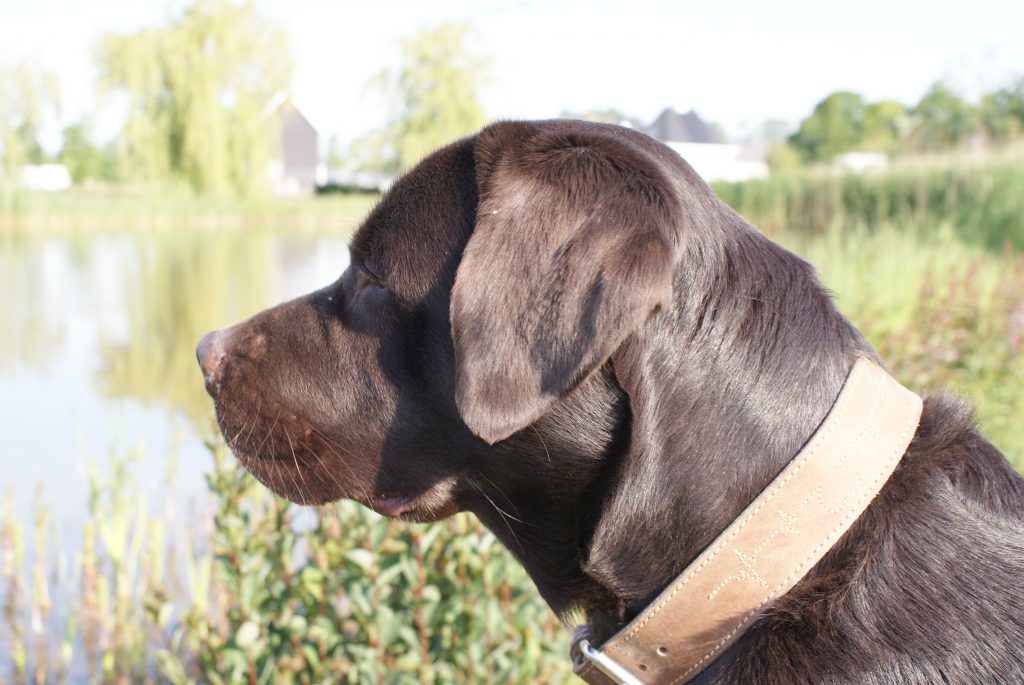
x=836 y=125
x=782 y=158
x=885 y=124
x=435 y=100
x=28 y=95
x=84 y=160
x=201 y=94
x=943 y=119
x=1001 y=113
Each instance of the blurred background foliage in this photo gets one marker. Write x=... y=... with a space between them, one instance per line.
x=942 y=120
x=925 y=256
x=201 y=96
x=434 y=95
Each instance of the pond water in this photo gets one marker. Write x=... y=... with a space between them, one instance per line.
x=97 y=353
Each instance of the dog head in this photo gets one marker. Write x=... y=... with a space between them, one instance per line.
x=556 y=326
x=486 y=287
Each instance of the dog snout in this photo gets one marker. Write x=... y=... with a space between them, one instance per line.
x=210 y=353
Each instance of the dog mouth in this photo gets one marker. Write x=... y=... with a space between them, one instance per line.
x=392 y=506
x=436 y=502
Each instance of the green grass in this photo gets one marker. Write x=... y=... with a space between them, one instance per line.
x=943 y=313
x=113 y=208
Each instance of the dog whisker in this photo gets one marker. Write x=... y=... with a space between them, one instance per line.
x=505 y=516
x=507 y=499
x=333 y=447
x=298 y=469
x=541 y=438
x=269 y=433
x=255 y=419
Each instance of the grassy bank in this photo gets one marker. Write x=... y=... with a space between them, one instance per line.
x=943 y=313
x=115 y=208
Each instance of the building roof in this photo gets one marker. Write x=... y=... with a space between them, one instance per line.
x=673 y=127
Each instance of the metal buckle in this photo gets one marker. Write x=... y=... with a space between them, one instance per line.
x=607 y=665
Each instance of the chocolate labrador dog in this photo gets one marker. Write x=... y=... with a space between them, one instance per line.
x=558 y=327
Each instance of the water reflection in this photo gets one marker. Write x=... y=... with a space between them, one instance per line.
x=178 y=290
x=28 y=335
x=97 y=343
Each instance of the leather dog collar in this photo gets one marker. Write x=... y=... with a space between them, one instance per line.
x=770 y=546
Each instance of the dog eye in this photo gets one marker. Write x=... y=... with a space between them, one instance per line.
x=367 y=279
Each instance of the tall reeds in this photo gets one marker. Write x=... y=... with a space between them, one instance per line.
x=981 y=198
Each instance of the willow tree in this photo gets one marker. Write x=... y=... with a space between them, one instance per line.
x=434 y=99
x=28 y=95
x=202 y=93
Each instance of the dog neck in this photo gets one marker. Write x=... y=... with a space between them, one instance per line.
x=761 y=355
x=723 y=390
x=774 y=542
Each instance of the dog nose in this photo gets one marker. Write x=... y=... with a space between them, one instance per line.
x=210 y=353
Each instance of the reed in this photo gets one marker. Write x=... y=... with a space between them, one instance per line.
x=979 y=196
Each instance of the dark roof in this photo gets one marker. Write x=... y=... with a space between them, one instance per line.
x=671 y=126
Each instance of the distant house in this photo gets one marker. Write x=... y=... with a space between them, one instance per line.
x=299 y=169
x=701 y=146
x=673 y=127
x=859 y=162
x=48 y=177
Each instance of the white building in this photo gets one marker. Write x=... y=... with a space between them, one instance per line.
x=47 y=177
x=699 y=145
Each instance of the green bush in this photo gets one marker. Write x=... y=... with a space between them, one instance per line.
x=356 y=599
x=268 y=598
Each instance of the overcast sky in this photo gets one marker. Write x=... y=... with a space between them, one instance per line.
x=737 y=63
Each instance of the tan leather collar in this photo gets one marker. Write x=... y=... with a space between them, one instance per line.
x=770 y=546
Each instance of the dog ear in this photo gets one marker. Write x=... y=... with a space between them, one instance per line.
x=571 y=252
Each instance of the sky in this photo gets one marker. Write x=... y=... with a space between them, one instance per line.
x=737 y=63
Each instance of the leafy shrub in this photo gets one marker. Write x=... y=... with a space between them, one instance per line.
x=272 y=593
x=355 y=598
